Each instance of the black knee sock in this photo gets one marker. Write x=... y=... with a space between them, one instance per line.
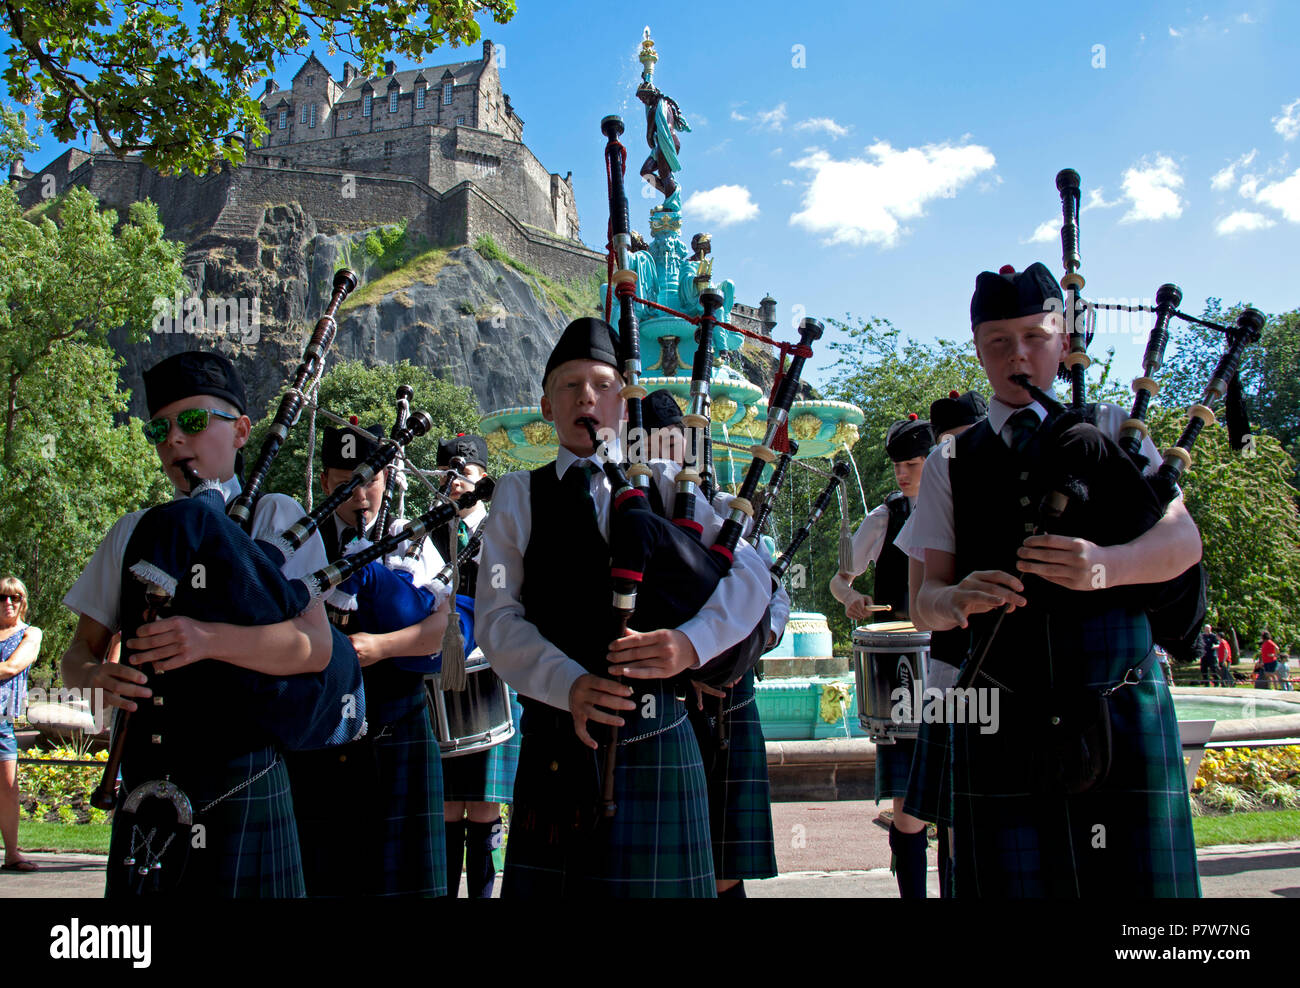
x=736 y=891
x=455 y=855
x=909 y=862
x=480 y=872
x=945 y=879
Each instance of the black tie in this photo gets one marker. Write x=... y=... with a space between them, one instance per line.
x=578 y=477
x=1024 y=424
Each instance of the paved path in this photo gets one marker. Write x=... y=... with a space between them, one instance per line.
x=824 y=850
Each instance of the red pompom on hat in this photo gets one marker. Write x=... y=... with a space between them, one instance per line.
x=912 y=416
x=1006 y=269
x=954 y=393
x=353 y=419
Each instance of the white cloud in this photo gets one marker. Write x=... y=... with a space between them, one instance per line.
x=787 y=181
x=1175 y=33
x=1242 y=221
x=1287 y=123
x=1097 y=201
x=1245 y=19
x=1046 y=232
x=863 y=201
x=738 y=116
x=1222 y=179
x=771 y=119
x=822 y=123
x=1249 y=187
x=776 y=152
x=1151 y=188
x=723 y=205
x=1283 y=196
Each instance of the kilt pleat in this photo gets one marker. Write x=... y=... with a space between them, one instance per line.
x=740 y=795
x=893 y=767
x=656 y=846
x=413 y=857
x=248 y=847
x=1131 y=836
x=485 y=776
x=929 y=785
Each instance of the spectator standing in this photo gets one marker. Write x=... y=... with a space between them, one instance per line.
x=20 y=644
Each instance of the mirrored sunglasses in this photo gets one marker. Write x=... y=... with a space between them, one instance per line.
x=191 y=422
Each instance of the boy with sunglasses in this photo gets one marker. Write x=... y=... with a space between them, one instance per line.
x=238 y=785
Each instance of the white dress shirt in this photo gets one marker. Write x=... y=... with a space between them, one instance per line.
x=931 y=524
x=780 y=604
x=533 y=665
x=97 y=592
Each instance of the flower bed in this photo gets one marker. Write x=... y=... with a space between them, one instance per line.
x=1241 y=779
x=55 y=793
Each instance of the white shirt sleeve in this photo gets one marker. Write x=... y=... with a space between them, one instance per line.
x=513 y=646
x=273 y=515
x=1111 y=419
x=780 y=611
x=868 y=540
x=97 y=593
x=423 y=566
x=932 y=516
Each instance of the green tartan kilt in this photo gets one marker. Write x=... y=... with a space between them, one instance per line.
x=740 y=797
x=929 y=785
x=413 y=856
x=893 y=766
x=249 y=840
x=370 y=813
x=1129 y=837
x=486 y=776
x=656 y=846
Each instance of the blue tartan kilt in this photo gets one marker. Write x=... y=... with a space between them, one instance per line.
x=1130 y=836
x=485 y=776
x=740 y=796
x=249 y=839
x=656 y=846
x=413 y=841
x=893 y=767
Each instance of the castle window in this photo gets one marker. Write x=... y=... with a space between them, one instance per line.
x=365 y=105
x=303 y=118
x=284 y=119
x=312 y=120
x=419 y=97
x=392 y=101
x=460 y=121
x=311 y=80
x=446 y=94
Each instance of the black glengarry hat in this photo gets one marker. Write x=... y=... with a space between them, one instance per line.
x=332 y=455
x=584 y=339
x=194 y=372
x=1008 y=295
x=660 y=410
x=473 y=448
x=908 y=438
x=957 y=410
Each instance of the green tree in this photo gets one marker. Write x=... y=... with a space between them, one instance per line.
x=1244 y=507
x=1270 y=371
x=369 y=393
x=74 y=473
x=171 y=79
x=14 y=139
x=74 y=281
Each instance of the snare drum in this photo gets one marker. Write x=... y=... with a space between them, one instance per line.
x=889 y=657
x=475 y=719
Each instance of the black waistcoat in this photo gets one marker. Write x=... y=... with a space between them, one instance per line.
x=567 y=595
x=995 y=499
x=891 y=564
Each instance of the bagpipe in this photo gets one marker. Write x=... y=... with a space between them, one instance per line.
x=1094 y=488
x=661 y=573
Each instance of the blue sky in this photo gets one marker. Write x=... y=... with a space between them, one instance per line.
x=873 y=158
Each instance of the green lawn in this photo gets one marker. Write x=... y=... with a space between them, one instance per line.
x=1247 y=828
x=83 y=838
